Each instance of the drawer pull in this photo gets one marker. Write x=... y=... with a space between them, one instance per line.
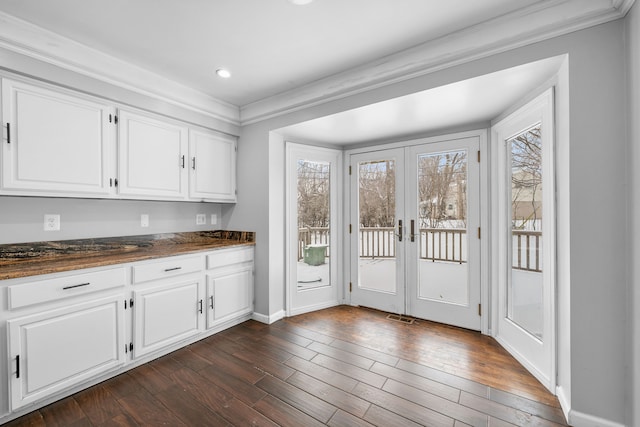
x=18 y=366
x=211 y=304
x=172 y=269
x=200 y=309
x=76 y=286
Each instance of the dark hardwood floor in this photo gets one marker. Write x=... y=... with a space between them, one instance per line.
x=343 y=366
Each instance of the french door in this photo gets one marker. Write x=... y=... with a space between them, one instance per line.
x=414 y=231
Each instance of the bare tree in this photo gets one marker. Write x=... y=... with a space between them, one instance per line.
x=377 y=194
x=442 y=188
x=526 y=178
x=313 y=194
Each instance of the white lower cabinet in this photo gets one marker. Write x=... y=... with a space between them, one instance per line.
x=56 y=349
x=229 y=285
x=166 y=314
x=65 y=331
x=229 y=295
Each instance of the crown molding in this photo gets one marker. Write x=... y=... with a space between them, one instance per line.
x=35 y=42
x=538 y=22
x=541 y=21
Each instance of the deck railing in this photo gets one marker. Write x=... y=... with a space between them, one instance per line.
x=526 y=247
x=312 y=236
x=436 y=244
x=443 y=244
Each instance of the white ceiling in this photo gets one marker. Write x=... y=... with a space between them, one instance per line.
x=270 y=46
x=472 y=101
x=285 y=57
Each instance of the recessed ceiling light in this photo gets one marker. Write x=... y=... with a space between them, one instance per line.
x=224 y=73
x=300 y=2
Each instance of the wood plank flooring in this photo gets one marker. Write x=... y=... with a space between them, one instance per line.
x=343 y=366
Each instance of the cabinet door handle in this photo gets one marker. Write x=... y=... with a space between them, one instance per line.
x=76 y=286
x=200 y=307
x=8 y=133
x=211 y=299
x=172 y=269
x=193 y=163
x=18 y=366
x=183 y=161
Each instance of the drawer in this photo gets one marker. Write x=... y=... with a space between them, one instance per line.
x=225 y=257
x=166 y=268
x=26 y=294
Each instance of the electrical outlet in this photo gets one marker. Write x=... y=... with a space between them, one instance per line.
x=144 y=220
x=52 y=222
x=214 y=219
x=201 y=219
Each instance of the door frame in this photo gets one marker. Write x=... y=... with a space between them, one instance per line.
x=294 y=150
x=485 y=223
x=541 y=104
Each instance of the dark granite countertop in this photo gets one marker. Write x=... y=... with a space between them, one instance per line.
x=30 y=259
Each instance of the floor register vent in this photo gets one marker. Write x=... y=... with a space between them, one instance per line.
x=402 y=319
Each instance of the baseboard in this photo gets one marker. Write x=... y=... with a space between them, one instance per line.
x=565 y=404
x=579 y=419
x=311 y=308
x=263 y=318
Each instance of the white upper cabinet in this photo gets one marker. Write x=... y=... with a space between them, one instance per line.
x=212 y=166
x=152 y=157
x=54 y=142
x=62 y=143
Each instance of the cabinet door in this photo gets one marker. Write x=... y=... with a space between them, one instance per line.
x=54 y=350
x=229 y=295
x=165 y=315
x=212 y=166
x=55 y=143
x=152 y=157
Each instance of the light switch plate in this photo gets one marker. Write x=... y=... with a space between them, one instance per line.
x=201 y=219
x=51 y=222
x=144 y=220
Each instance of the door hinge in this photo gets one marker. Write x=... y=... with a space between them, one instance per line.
x=350 y=287
x=349 y=228
x=478 y=156
x=479 y=233
x=349 y=169
x=479 y=309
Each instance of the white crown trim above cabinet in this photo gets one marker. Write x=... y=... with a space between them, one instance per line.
x=62 y=143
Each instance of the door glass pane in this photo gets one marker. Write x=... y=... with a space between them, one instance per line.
x=313 y=224
x=377 y=220
x=442 y=227
x=524 y=292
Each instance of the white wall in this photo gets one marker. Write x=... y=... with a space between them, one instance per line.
x=22 y=218
x=596 y=174
x=632 y=37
